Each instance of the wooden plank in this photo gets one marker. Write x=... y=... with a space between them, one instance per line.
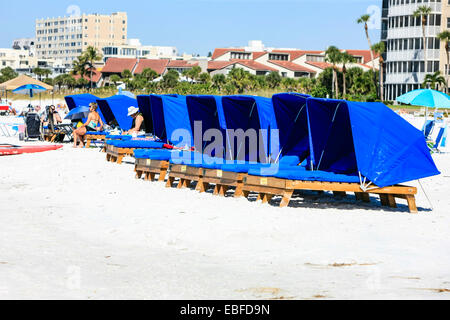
x=287 y=195
x=412 y=204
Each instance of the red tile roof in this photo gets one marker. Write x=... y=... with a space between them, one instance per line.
x=159 y=65
x=117 y=65
x=363 y=53
x=257 y=55
x=96 y=76
x=295 y=54
x=320 y=65
x=181 y=64
x=291 y=66
x=221 y=51
x=217 y=65
x=254 y=65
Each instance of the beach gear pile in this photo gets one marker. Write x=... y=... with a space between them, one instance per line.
x=302 y=143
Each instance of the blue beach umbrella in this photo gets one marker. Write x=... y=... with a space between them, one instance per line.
x=78 y=113
x=29 y=89
x=426 y=98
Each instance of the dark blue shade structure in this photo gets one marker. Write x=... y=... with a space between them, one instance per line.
x=83 y=100
x=367 y=139
x=116 y=108
x=292 y=120
x=145 y=107
x=80 y=100
x=176 y=118
x=208 y=112
x=249 y=112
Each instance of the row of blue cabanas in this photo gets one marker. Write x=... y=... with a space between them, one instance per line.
x=368 y=140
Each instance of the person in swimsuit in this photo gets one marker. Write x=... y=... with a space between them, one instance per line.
x=91 y=125
x=138 y=121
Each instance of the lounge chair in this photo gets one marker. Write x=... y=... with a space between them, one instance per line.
x=286 y=182
x=363 y=148
x=152 y=163
x=116 y=150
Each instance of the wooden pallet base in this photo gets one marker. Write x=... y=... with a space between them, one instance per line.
x=223 y=181
x=151 y=168
x=185 y=174
x=267 y=188
x=90 y=138
x=114 y=154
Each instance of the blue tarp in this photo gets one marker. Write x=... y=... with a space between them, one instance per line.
x=83 y=100
x=292 y=120
x=145 y=107
x=369 y=139
x=209 y=112
x=176 y=117
x=250 y=112
x=116 y=108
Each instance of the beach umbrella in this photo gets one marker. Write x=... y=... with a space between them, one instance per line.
x=78 y=113
x=426 y=98
x=30 y=90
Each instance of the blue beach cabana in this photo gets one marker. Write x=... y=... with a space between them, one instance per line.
x=368 y=140
x=116 y=108
x=245 y=113
x=292 y=120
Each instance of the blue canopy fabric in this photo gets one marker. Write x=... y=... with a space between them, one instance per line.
x=159 y=123
x=249 y=112
x=292 y=120
x=145 y=107
x=367 y=139
x=176 y=117
x=426 y=98
x=209 y=112
x=83 y=100
x=116 y=108
x=80 y=100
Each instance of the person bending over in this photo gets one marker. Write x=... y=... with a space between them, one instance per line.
x=138 y=121
x=91 y=125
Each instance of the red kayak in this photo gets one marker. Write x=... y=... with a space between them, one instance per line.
x=10 y=150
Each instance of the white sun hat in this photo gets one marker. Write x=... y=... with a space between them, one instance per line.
x=132 y=111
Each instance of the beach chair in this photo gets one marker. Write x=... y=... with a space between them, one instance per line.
x=441 y=140
x=286 y=182
x=152 y=163
x=116 y=150
x=364 y=148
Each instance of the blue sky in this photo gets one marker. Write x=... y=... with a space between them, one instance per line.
x=199 y=26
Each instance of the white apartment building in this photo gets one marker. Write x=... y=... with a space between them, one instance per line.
x=403 y=35
x=134 y=49
x=67 y=37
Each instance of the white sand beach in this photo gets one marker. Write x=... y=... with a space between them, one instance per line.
x=73 y=226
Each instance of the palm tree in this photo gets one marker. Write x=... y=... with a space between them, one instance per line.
x=346 y=58
x=149 y=74
x=273 y=79
x=444 y=36
x=334 y=56
x=39 y=72
x=423 y=12
x=434 y=80
x=79 y=67
x=195 y=72
x=91 y=56
x=115 y=79
x=218 y=81
x=364 y=19
x=380 y=48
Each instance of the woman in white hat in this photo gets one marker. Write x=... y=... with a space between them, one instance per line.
x=138 y=121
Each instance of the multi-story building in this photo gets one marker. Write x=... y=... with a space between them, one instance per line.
x=66 y=38
x=403 y=36
x=134 y=49
x=289 y=63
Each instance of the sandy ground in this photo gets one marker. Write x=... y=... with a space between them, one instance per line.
x=73 y=226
